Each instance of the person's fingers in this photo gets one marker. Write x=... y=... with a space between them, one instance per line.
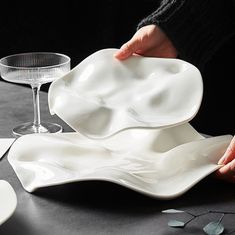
x=127 y=49
x=227 y=170
x=229 y=154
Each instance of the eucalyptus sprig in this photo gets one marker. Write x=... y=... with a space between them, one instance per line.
x=212 y=228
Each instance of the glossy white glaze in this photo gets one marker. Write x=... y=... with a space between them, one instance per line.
x=102 y=95
x=8 y=201
x=161 y=163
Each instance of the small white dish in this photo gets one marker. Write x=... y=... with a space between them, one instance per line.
x=5 y=144
x=8 y=201
x=161 y=163
x=102 y=95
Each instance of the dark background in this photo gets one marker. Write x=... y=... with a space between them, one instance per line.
x=79 y=28
x=76 y=28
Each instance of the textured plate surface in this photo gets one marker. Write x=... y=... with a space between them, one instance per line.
x=161 y=163
x=8 y=201
x=102 y=95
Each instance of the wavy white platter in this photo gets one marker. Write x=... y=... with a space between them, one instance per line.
x=8 y=201
x=159 y=163
x=102 y=95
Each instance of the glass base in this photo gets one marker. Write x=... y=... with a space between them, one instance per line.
x=30 y=128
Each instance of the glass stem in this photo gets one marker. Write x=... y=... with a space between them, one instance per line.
x=36 y=105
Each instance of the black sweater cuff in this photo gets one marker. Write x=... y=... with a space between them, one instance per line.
x=197 y=28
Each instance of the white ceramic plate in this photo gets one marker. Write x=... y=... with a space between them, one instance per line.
x=8 y=201
x=161 y=163
x=5 y=144
x=102 y=95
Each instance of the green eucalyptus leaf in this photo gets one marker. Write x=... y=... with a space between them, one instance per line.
x=176 y=224
x=214 y=228
x=172 y=211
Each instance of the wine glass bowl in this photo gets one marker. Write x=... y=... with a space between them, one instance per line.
x=35 y=69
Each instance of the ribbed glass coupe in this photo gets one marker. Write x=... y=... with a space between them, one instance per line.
x=35 y=69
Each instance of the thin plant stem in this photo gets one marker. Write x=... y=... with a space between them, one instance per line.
x=205 y=213
x=222 y=216
x=187 y=222
x=223 y=212
x=189 y=213
x=210 y=212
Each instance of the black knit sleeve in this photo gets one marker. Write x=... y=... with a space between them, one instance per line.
x=197 y=28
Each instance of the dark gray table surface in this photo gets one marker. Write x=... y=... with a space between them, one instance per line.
x=98 y=207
